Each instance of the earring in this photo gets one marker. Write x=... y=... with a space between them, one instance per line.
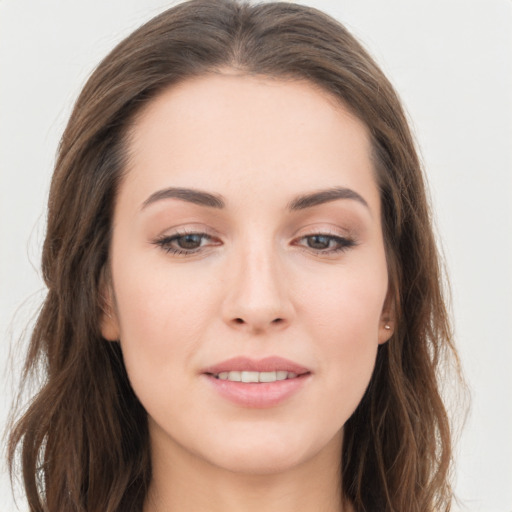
x=387 y=327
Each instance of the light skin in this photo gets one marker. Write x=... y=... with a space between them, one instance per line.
x=262 y=273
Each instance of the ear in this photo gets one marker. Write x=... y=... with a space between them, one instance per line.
x=109 y=324
x=387 y=322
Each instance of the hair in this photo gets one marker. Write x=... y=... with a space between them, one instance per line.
x=83 y=441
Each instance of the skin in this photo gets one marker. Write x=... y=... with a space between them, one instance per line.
x=257 y=285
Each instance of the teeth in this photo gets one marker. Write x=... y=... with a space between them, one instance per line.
x=268 y=376
x=250 y=377
x=247 y=376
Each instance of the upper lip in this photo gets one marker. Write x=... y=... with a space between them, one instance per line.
x=267 y=364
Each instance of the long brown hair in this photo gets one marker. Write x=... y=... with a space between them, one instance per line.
x=83 y=440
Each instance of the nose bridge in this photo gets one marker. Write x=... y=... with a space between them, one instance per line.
x=258 y=295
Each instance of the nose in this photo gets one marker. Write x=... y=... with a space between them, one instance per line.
x=257 y=299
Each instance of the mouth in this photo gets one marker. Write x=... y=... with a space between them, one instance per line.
x=259 y=383
x=245 y=369
x=256 y=377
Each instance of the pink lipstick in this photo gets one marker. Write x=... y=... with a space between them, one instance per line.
x=257 y=383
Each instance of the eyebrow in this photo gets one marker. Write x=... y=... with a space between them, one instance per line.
x=186 y=194
x=325 y=196
x=210 y=200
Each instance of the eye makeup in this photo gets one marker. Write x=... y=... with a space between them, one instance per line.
x=190 y=242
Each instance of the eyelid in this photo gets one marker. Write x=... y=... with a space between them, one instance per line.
x=343 y=244
x=328 y=230
x=188 y=229
x=344 y=238
x=343 y=241
x=163 y=241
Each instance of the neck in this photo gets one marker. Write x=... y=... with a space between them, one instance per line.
x=191 y=484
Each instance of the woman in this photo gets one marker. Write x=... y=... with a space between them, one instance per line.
x=244 y=297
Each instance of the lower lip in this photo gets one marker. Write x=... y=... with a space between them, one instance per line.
x=258 y=395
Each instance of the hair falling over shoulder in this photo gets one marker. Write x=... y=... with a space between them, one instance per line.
x=82 y=443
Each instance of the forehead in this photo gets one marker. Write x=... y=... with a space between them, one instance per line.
x=236 y=133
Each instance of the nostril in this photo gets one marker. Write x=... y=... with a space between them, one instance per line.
x=242 y=321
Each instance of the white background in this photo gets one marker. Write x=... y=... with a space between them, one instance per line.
x=451 y=61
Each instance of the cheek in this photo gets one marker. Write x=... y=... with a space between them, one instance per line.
x=347 y=303
x=160 y=316
x=344 y=318
x=152 y=298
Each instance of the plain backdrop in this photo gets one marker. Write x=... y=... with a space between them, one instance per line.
x=451 y=62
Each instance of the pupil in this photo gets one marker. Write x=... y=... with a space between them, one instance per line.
x=189 y=241
x=318 y=242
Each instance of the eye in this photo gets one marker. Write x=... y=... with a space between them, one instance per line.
x=325 y=243
x=185 y=243
x=191 y=241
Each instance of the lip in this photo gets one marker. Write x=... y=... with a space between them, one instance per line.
x=267 y=364
x=257 y=395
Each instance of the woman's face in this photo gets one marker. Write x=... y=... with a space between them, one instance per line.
x=247 y=244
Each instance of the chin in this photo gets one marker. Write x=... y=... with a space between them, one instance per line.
x=267 y=455
x=249 y=463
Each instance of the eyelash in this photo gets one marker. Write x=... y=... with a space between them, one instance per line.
x=165 y=243
x=343 y=243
